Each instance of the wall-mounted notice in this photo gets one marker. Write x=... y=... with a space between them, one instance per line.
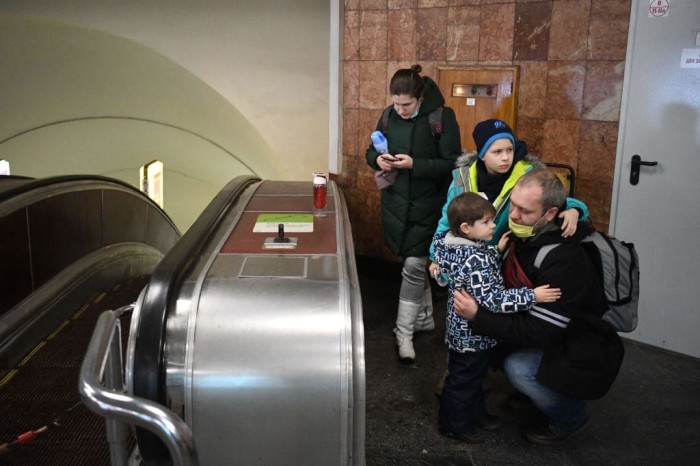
x=659 y=8
x=690 y=58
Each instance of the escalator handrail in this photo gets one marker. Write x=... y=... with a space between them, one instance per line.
x=103 y=356
x=148 y=373
x=36 y=183
x=68 y=180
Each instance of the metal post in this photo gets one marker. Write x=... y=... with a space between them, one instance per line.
x=117 y=431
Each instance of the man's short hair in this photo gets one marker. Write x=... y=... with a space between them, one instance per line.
x=467 y=208
x=553 y=192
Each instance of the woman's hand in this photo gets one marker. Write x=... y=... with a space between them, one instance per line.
x=569 y=221
x=386 y=162
x=403 y=161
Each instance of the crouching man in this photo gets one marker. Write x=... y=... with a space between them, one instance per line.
x=563 y=352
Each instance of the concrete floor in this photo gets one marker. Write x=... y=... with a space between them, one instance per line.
x=651 y=416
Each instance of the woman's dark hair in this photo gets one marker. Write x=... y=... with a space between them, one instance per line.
x=408 y=81
x=467 y=208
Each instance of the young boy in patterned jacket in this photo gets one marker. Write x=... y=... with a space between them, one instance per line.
x=475 y=267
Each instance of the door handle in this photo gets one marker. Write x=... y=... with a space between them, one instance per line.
x=636 y=163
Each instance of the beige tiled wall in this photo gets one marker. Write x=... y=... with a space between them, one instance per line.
x=571 y=57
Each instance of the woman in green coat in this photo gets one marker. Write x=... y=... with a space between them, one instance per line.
x=424 y=143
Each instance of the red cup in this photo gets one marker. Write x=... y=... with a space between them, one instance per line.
x=320 y=195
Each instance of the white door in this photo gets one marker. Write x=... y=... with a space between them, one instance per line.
x=660 y=122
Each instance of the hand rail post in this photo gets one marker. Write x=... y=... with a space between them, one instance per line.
x=116 y=405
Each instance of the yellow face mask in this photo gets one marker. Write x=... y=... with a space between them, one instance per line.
x=523 y=231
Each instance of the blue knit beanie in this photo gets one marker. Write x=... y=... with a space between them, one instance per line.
x=488 y=131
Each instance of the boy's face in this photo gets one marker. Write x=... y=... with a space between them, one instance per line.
x=499 y=157
x=482 y=229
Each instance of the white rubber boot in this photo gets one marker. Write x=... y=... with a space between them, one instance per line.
x=424 y=320
x=405 y=321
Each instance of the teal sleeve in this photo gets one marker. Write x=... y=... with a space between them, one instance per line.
x=443 y=224
x=572 y=203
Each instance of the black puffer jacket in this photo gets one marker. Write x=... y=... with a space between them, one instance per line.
x=582 y=354
x=411 y=207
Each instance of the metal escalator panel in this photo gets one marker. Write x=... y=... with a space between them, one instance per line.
x=260 y=350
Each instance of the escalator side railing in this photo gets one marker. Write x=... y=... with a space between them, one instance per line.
x=102 y=389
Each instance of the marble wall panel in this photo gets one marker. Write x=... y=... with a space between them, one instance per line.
x=373 y=35
x=597 y=150
x=569 y=32
x=561 y=142
x=531 y=130
x=463 y=25
x=367 y=123
x=373 y=84
x=532 y=94
x=431 y=33
x=602 y=97
x=351 y=35
x=402 y=34
x=351 y=84
x=402 y=4
x=565 y=81
x=373 y=4
x=496 y=32
x=463 y=2
x=432 y=3
x=532 y=25
x=597 y=195
x=351 y=132
x=607 y=35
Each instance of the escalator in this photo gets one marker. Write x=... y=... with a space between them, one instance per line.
x=247 y=345
x=71 y=247
x=62 y=239
x=39 y=397
x=254 y=352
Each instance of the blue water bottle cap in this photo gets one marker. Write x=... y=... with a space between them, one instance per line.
x=380 y=142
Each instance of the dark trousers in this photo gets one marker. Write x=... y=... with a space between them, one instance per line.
x=462 y=399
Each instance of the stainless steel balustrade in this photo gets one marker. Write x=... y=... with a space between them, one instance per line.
x=258 y=354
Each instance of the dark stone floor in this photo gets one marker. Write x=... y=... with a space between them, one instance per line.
x=651 y=416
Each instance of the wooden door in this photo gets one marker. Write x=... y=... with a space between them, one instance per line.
x=480 y=93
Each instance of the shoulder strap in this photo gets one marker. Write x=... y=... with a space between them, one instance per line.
x=542 y=253
x=458 y=177
x=385 y=118
x=435 y=122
